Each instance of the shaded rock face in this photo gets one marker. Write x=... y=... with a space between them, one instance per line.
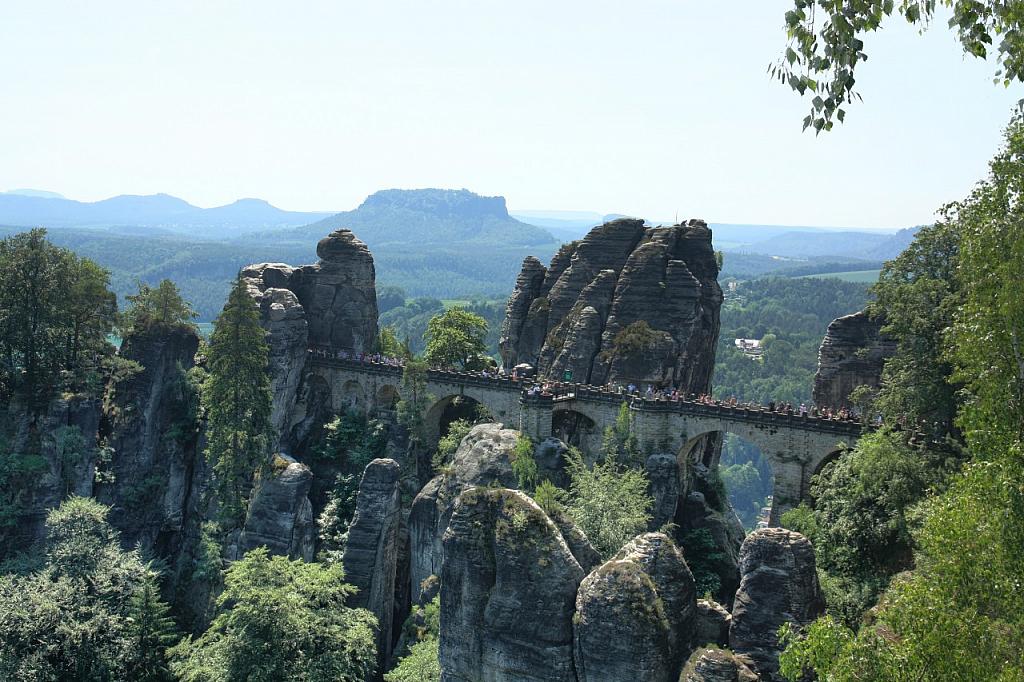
x=508 y=589
x=852 y=354
x=567 y=316
x=717 y=665
x=663 y=474
x=332 y=303
x=635 y=614
x=372 y=552
x=280 y=516
x=709 y=512
x=778 y=584
x=713 y=623
x=68 y=446
x=152 y=429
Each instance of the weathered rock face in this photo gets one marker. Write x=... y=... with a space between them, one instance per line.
x=635 y=614
x=704 y=511
x=372 y=552
x=68 y=446
x=717 y=665
x=852 y=354
x=663 y=474
x=568 y=317
x=508 y=589
x=332 y=303
x=152 y=429
x=481 y=459
x=778 y=584
x=713 y=623
x=280 y=516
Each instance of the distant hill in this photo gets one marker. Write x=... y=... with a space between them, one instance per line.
x=430 y=218
x=865 y=245
x=31 y=208
x=41 y=193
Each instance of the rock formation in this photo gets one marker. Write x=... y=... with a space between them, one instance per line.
x=508 y=591
x=852 y=354
x=152 y=429
x=635 y=614
x=717 y=665
x=624 y=304
x=332 y=304
x=713 y=623
x=280 y=516
x=778 y=584
x=68 y=448
x=372 y=552
x=663 y=474
x=481 y=459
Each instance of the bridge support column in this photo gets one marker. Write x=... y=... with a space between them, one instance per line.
x=535 y=416
x=652 y=424
x=788 y=483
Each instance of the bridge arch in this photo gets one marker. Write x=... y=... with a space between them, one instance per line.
x=387 y=397
x=352 y=396
x=573 y=425
x=447 y=409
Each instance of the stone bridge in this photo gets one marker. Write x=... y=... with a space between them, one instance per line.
x=796 y=446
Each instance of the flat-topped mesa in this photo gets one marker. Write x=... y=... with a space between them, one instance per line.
x=627 y=303
x=332 y=303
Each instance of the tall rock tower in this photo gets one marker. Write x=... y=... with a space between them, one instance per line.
x=331 y=304
x=626 y=304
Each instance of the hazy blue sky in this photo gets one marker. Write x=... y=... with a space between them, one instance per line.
x=648 y=108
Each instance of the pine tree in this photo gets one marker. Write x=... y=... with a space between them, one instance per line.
x=152 y=632
x=237 y=399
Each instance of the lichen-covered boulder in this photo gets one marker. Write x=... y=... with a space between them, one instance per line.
x=280 y=516
x=635 y=614
x=371 y=556
x=778 y=584
x=713 y=622
x=717 y=665
x=508 y=590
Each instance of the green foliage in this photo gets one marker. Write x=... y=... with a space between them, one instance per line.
x=90 y=611
x=415 y=400
x=960 y=614
x=420 y=665
x=702 y=556
x=160 y=307
x=917 y=295
x=609 y=502
x=547 y=496
x=795 y=313
x=455 y=337
x=281 y=620
x=746 y=491
x=636 y=339
x=524 y=466
x=389 y=345
x=826 y=44
x=237 y=400
x=449 y=443
x=350 y=442
x=55 y=314
x=389 y=298
x=618 y=440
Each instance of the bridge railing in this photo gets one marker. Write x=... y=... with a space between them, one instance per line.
x=555 y=392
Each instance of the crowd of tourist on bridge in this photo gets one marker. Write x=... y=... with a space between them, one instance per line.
x=562 y=389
